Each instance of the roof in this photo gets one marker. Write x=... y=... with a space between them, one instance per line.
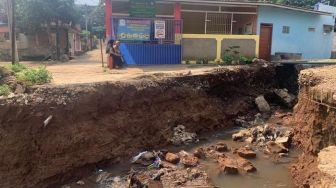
x=249 y=3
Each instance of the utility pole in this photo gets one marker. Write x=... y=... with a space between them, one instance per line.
x=13 y=24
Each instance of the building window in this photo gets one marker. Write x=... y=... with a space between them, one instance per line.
x=285 y=29
x=327 y=28
x=311 y=29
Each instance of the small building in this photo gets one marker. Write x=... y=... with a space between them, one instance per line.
x=211 y=28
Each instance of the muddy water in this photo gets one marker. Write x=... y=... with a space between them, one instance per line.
x=270 y=174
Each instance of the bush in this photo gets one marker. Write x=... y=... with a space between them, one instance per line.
x=35 y=76
x=203 y=60
x=5 y=90
x=17 y=67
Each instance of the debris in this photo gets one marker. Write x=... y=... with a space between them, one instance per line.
x=258 y=119
x=246 y=152
x=138 y=157
x=241 y=135
x=172 y=158
x=245 y=165
x=262 y=104
x=158 y=175
x=80 y=182
x=274 y=148
x=19 y=89
x=156 y=164
x=47 y=121
x=188 y=160
x=241 y=122
x=286 y=98
x=200 y=153
x=228 y=165
x=221 y=147
x=181 y=137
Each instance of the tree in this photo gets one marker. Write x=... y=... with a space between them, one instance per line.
x=37 y=15
x=304 y=3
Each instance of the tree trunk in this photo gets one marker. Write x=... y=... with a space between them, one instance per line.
x=12 y=34
x=58 y=48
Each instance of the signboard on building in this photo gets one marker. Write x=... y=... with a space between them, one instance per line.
x=142 y=8
x=160 y=29
x=134 y=29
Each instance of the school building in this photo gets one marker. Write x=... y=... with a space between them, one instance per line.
x=167 y=31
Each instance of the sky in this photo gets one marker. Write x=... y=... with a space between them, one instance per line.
x=88 y=2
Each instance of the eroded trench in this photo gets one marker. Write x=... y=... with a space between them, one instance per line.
x=94 y=130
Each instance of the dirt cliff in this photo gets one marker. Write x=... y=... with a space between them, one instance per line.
x=55 y=133
x=315 y=120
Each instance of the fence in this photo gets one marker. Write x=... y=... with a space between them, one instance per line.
x=149 y=41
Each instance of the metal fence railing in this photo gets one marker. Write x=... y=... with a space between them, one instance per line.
x=125 y=29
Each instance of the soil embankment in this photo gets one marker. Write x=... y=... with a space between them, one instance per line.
x=315 y=120
x=92 y=125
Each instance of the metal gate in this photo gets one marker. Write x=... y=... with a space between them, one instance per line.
x=144 y=44
x=218 y=23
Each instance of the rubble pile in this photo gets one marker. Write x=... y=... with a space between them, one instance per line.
x=181 y=137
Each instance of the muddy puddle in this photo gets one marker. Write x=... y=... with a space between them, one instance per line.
x=270 y=173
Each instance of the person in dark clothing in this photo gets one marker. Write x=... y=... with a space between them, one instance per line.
x=118 y=60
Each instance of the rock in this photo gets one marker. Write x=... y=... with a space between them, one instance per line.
x=104 y=178
x=172 y=158
x=283 y=140
x=262 y=104
x=245 y=165
x=258 y=119
x=148 y=156
x=242 y=123
x=275 y=148
x=246 y=152
x=168 y=165
x=189 y=161
x=80 y=182
x=326 y=161
x=181 y=137
x=228 y=165
x=249 y=140
x=158 y=175
x=19 y=89
x=286 y=98
x=283 y=154
x=221 y=147
x=241 y=135
x=200 y=153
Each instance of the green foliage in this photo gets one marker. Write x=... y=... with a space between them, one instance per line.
x=5 y=90
x=232 y=56
x=203 y=60
x=34 y=76
x=35 y=15
x=303 y=3
x=18 y=67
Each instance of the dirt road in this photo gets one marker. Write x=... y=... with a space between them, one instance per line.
x=88 y=69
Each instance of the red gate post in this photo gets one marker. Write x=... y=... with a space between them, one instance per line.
x=108 y=15
x=177 y=17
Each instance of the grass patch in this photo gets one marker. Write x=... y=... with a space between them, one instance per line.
x=18 y=67
x=5 y=90
x=34 y=76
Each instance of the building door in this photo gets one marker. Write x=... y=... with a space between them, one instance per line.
x=265 y=44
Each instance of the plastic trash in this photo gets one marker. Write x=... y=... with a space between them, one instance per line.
x=134 y=159
x=156 y=164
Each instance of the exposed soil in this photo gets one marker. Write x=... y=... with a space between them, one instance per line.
x=315 y=120
x=97 y=124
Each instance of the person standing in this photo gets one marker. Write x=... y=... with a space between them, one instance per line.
x=117 y=56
